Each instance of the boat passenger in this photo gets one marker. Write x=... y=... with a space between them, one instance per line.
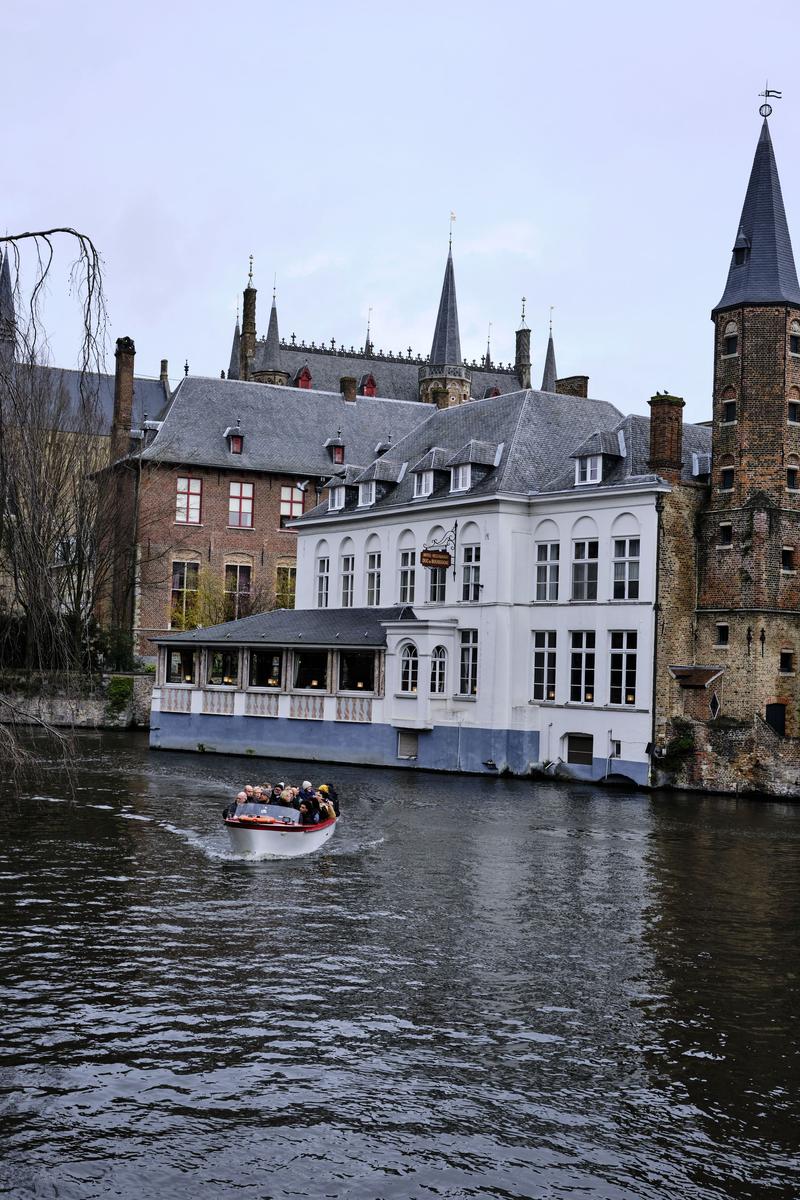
x=307 y=817
x=325 y=809
x=248 y=788
x=330 y=794
x=230 y=811
x=306 y=792
x=287 y=798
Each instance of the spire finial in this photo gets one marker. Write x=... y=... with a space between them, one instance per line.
x=237 y=308
x=274 y=286
x=768 y=94
x=489 y=346
x=452 y=219
x=552 y=306
x=250 y=275
x=523 y=310
x=186 y=367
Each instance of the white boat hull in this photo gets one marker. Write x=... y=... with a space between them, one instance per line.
x=265 y=841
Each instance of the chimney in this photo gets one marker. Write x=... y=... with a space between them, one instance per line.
x=666 y=436
x=123 y=398
x=573 y=385
x=164 y=374
x=248 y=341
x=522 y=362
x=347 y=386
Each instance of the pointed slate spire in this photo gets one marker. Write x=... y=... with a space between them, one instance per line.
x=762 y=269
x=233 y=369
x=446 y=348
x=8 y=319
x=550 y=374
x=272 y=348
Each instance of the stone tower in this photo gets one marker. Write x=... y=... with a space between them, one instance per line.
x=268 y=368
x=748 y=614
x=444 y=380
x=522 y=357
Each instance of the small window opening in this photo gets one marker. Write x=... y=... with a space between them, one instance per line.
x=730 y=345
x=786 y=664
x=793 y=478
x=723 y=634
x=729 y=412
x=714 y=706
x=726 y=534
x=787 y=558
x=794 y=412
x=236 y=443
x=726 y=478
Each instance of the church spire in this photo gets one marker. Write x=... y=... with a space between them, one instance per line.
x=272 y=349
x=8 y=320
x=233 y=369
x=762 y=269
x=550 y=373
x=446 y=348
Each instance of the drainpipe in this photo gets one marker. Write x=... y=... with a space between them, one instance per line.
x=656 y=614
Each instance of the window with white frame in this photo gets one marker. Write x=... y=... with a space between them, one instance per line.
x=547 y=556
x=438 y=671
x=622 y=676
x=291 y=504
x=581 y=678
x=335 y=499
x=240 y=505
x=471 y=573
x=366 y=494
x=544 y=665
x=460 y=477
x=374 y=578
x=323 y=581
x=188 y=500
x=626 y=568
x=437 y=585
x=423 y=484
x=409 y=670
x=238 y=590
x=584 y=570
x=348 y=575
x=468 y=674
x=589 y=469
x=408 y=565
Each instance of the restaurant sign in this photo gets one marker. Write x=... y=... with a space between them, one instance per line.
x=435 y=558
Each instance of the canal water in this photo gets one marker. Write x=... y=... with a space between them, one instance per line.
x=481 y=988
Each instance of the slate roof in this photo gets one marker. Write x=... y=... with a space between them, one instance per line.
x=298 y=627
x=285 y=428
x=599 y=443
x=537 y=431
x=767 y=274
x=96 y=392
x=446 y=345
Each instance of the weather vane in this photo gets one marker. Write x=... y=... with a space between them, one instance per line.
x=452 y=219
x=523 y=310
x=768 y=93
x=552 y=306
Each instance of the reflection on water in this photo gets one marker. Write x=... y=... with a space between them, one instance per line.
x=477 y=989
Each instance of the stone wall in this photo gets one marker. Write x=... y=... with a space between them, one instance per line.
x=728 y=756
x=99 y=710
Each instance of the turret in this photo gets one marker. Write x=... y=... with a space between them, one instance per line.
x=247 y=345
x=444 y=381
x=522 y=358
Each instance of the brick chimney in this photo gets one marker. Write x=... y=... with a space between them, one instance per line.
x=666 y=436
x=573 y=385
x=123 y=398
x=347 y=386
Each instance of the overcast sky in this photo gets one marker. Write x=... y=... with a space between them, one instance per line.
x=596 y=157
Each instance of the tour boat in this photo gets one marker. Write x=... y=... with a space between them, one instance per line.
x=274 y=831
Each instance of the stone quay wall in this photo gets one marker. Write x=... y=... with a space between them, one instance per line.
x=119 y=702
x=729 y=756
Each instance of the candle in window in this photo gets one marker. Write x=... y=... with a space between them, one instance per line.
x=359 y=684
x=314 y=683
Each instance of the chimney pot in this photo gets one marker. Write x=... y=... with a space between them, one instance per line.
x=347 y=386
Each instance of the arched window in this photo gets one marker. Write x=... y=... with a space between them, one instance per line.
x=730 y=339
x=409 y=669
x=303 y=378
x=728 y=406
x=727 y=474
x=438 y=671
x=794 y=338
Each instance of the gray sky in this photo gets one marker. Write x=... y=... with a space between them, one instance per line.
x=596 y=157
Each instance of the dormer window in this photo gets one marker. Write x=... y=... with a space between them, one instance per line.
x=336 y=499
x=366 y=494
x=235 y=438
x=303 y=378
x=338 y=454
x=423 y=484
x=369 y=386
x=461 y=477
x=739 y=255
x=589 y=469
x=237 y=441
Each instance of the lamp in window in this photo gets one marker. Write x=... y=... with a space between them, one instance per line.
x=589 y=697
x=630 y=697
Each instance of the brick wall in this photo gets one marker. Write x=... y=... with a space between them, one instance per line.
x=211 y=544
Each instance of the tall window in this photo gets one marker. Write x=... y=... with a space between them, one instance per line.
x=374 y=578
x=438 y=671
x=409 y=669
x=623 y=668
x=240 y=505
x=728 y=407
x=468 y=675
x=408 y=563
x=188 y=501
x=266 y=667
x=730 y=339
x=626 y=568
x=794 y=337
x=437 y=585
x=544 y=665
x=589 y=469
x=238 y=586
x=348 y=574
x=581 y=679
x=584 y=571
x=726 y=479
x=547 y=555
x=792 y=473
x=184 y=595
x=471 y=577
x=423 y=483
x=291 y=504
x=285 y=578
x=323 y=579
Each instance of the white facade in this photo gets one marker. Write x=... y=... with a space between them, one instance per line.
x=495 y=603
